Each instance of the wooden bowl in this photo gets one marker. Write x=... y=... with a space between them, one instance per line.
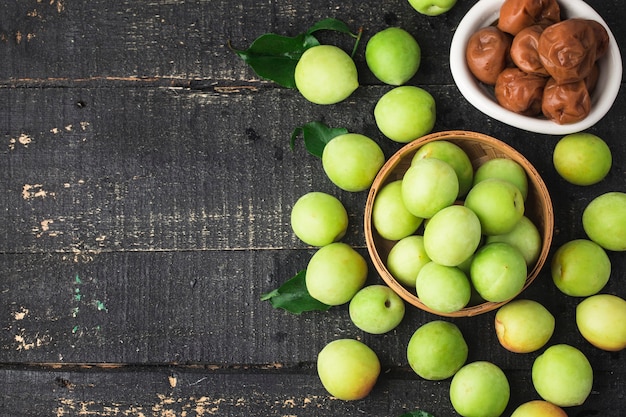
x=480 y=148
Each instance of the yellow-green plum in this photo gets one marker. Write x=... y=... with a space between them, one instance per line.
x=524 y=236
x=480 y=389
x=580 y=268
x=523 y=326
x=405 y=113
x=437 y=350
x=604 y=220
x=393 y=55
x=406 y=258
x=452 y=154
x=428 y=186
x=498 y=204
x=325 y=74
x=444 y=289
x=390 y=217
x=452 y=235
x=562 y=375
x=498 y=271
x=319 y=218
x=582 y=158
x=504 y=169
x=376 y=309
x=351 y=161
x=432 y=7
x=335 y=273
x=348 y=369
x=538 y=408
x=601 y=320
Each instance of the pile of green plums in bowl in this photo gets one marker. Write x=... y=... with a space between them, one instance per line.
x=458 y=223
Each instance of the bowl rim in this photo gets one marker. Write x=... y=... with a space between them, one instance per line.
x=484 y=13
x=546 y=232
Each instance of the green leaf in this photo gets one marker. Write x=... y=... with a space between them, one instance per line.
x=331 y=24
x=417 y=413
x=293 y=296
x=316 y=135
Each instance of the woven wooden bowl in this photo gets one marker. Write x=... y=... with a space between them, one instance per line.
x=480 y=148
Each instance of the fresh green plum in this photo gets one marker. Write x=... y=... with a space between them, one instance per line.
x=601 y=320
x=335 y=273
x=580 y=268
x=582 y=158
x=562 y=375
x=498 y=204
x=437 y=350
x=390 y=217
x=480 y=389
x=538 y=408
x=432 y=7
x=393 y=55
x=351 y=161
x=525 y=237
x=405 y=113
x=348 y=369
x=318 y=219
x=406 y=258
x=325 y=74
x=524 y=326
x=453 y=155
x=376 y=309
x=604 y=220
x=498 y=271
x=504 y=169
x=452 y=235
x=444 y=289
x=428 y=186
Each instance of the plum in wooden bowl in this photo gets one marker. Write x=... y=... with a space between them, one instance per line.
x=433 y=261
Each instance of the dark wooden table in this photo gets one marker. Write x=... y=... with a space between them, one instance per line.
x=145 y=190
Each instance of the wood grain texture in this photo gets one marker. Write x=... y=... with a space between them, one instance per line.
x=146 y=182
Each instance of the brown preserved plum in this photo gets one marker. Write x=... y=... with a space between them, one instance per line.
x=516 y=15
x=520 y=92
x=487 y=53
x=524 y=50
x=565 y=103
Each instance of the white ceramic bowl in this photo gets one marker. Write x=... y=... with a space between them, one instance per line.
x=485 y=13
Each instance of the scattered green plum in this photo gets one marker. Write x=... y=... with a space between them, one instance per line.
x=498 y=204
x=524 y=236
x=351 y=161
x=601 y=320
x=326 y=74
x=538 y=408
x=444 y=289
x=580 y=268
x=335 y=273
x=582 y=158
x=406 y=258
x=405 y=113
x=376 y=309
x=524 y=326
x=498 y=271
x=604 y=220
x=318 y=219
x=390 y=217
x=437 y=350
x=432 y=7
x=480 y=389
x=348 y=369
x=393 y=55
x=452 y=154
x=562 y=375
x=505 y=169
x=428 y=186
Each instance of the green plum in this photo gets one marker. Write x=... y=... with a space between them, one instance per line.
x=562 y=375
x=582 y=158
x=524 y=326
x=432 y=7
x=525 y=237
x=538 y=408
x=504 y=169
x=604 y=220
x=348 y=369
x=318 y=219
x=480 y=389
x=428 y=186
x=351 y=161
x=406 y=258
x=335 y=273
x=437 y=350
x=393 y=55
x=390 y=217
x=452 y=235
x=601 y=320
x=498 y=204
x=405 y=113
x=498 y=271
x=325 y=74
x=444 y=289
x=580 y=268
x=452 y=154
x=376 y=309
